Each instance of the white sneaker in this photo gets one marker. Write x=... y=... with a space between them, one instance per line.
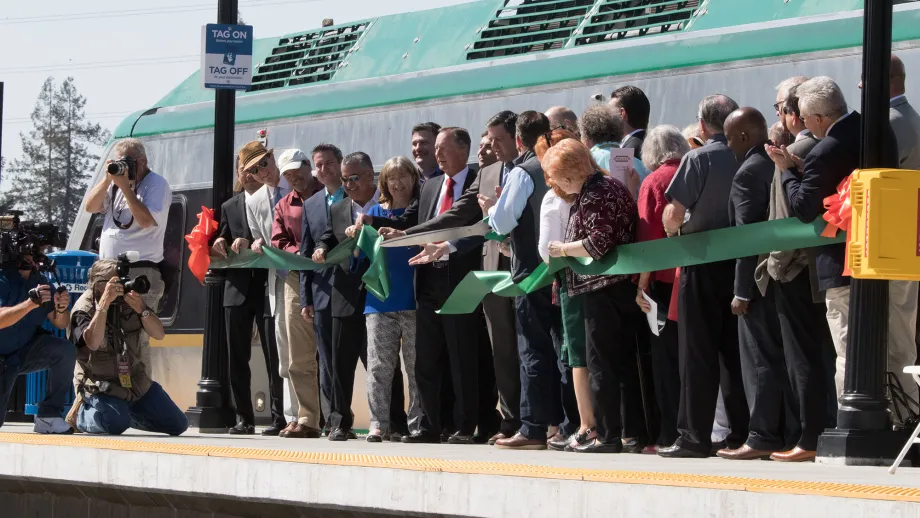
x=52 y=425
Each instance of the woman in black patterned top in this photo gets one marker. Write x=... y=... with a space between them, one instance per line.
x=603 y=216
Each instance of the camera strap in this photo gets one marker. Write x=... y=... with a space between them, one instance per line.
x=116 y=212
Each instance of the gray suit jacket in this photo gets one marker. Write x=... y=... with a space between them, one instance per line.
x=906 y=125
x=489 y=178
x=259 y=215
x=785 y=265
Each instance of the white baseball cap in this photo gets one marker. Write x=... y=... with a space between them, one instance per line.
x=291 y=159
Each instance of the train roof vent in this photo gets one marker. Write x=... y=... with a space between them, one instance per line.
x=614 y=20
x=523 y=26
x=309 y=57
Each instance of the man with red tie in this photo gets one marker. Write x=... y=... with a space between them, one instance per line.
x=445 y=340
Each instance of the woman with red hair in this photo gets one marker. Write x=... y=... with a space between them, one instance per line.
x=603 y=215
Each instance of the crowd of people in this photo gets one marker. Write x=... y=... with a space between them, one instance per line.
x=748 y=357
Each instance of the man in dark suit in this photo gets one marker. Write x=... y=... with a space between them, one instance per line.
x=824 y=111
x=445 y=339
x=244 y=301
x=634 y=108
x=316 y=286
x=762 y=366
x=349 y=333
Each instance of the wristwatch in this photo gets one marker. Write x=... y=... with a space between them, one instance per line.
x=146 y=313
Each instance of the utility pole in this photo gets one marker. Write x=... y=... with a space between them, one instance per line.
x=1 y=128
x=212 y=412
x=864 y=435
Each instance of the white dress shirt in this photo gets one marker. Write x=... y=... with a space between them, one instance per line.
x=459 y=182
x=154 y=192
x=554 y=222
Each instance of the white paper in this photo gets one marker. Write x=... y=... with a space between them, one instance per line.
x=621 y=161
x=652 y=316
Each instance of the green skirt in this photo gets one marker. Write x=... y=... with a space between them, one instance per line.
x=573 y=327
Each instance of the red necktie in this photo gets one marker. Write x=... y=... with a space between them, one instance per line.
x=448 y=200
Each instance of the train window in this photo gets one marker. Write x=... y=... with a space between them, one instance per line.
x=174 y=257
x=94 y=231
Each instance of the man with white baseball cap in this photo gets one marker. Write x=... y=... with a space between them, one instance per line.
x=298 y=363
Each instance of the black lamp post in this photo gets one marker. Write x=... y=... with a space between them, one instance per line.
x=863 y=435
x=212 y=411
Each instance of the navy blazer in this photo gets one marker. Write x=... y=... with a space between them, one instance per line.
x=829 y=162
x=315 y=286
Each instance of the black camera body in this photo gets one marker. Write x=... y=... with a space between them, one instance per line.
x=139 y=284
x=25 y=238
x=125 y=166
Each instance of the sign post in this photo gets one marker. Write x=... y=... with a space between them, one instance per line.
x=226 y=66
x=226 y=56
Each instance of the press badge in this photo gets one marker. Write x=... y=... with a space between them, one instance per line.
x=124 y=371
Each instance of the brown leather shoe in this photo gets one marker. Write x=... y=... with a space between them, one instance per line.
x=300 y=431
x=794 y=455
x=497 y=437
x=519 y=442
x=745 y=452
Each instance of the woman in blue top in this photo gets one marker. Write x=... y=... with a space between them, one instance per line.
x=391 y=323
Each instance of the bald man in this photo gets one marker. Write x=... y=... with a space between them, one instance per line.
x=903 y=295
x=762 y=364
x=562 y=117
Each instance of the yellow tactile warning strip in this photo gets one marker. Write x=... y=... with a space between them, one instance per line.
x=756 y=485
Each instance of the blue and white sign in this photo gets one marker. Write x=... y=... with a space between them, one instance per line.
x=226 y=56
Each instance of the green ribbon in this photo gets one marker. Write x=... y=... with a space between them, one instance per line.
x=648 y=256
x=375 y=278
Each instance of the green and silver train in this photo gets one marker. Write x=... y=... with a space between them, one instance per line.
x=362 y=85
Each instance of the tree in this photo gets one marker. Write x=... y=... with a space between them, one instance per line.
x=49 y=180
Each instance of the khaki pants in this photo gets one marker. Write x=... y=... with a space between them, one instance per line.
x=902 y=331
x=838 y=312
x=302 y=367
x=902 y=318
x=284 y=355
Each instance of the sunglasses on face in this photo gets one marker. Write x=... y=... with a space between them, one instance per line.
x=788 y=110
x=355 y=178
x=777 y=105
x=261 y=165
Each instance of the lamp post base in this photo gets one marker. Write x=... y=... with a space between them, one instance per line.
x=862 y=447
x=209 y=419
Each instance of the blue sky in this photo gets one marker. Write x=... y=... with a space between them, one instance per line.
x=124 y=56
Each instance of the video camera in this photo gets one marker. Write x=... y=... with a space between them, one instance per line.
x=127 y=165
x=139 y=284
x=26 y=238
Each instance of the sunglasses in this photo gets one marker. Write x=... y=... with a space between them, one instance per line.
x=261 y=165
x=788 y=110
x=351 y=179
x=777 y=105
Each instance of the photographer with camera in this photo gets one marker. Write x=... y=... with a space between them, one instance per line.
x=26 y=300
x=114 y=391
x=135 y=202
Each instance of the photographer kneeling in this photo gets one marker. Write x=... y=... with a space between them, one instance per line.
x=110 y=375
x=25 y=303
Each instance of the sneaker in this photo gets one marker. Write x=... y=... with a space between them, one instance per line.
x=52 y=425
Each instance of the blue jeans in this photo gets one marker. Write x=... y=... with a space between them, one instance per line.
x=58 y=356
x=541 y=394
x=155 y=412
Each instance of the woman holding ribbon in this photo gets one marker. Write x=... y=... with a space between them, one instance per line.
x=391 y=323
x=603 y=215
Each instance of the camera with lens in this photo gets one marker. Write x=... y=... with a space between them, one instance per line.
x=125 y=166
x=26 y=238
x=139 y=284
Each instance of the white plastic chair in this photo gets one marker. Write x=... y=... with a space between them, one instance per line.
x=914 y=371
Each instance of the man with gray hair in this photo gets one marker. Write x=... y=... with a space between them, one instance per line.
x=708 y=331
x=824 y=110
x=135 y=202
x=561 y=117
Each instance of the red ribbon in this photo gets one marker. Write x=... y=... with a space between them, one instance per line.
x=838 y=215
x=199 y=243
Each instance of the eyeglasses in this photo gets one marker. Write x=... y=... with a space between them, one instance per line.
x=355 y=178
x=396 y=179
x=777 y=105
x=261 y=165
x=788 y=110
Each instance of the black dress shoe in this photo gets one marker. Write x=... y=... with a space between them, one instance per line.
x=338 y=435
x=716 y=446
x=394 y=437
x=595 y=446
x=459 y=438
x=421 y=438
x=274 y=430
x=351 y=434
x=633 y=446
x=679 y=452
x=243 y=429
